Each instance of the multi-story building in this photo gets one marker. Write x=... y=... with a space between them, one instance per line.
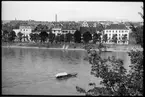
x=119 y=29
x=26 y=30
x=69 y=28
x=56 y=28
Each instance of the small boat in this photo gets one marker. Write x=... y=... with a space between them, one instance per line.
x=65 y=75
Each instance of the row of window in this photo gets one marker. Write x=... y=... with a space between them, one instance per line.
x=116 y=31
x=118 y=38
x=24 y=30
x=117 y=34
x=62 y=31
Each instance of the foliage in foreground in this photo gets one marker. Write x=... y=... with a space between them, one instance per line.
x=115 y=79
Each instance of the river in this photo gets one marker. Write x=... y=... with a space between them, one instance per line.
x=32 y=71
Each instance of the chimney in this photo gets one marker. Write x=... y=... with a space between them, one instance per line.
x=56 y=18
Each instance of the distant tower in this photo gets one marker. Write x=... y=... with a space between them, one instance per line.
x=56 y=18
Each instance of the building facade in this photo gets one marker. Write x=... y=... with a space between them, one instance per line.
x=118 y=29
x=56 y=31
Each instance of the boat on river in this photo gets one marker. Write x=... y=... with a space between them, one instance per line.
x=65 y=75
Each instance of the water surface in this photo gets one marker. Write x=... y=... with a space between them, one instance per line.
x=32 y=71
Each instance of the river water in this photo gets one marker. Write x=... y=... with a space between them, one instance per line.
x=32 y=71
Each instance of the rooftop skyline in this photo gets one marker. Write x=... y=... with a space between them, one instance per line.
x=71 y=11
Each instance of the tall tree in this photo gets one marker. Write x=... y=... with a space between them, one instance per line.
x=77 y=36
x=138 y=32
x=124 y=38
x=57 y=38
x=43 y=36
x=12 y=36
x=51 y=37
x=5 y=35
x=114 y=38
x=41 y=28
x=87 y=37
x=20 y=36
x=68 y=37
x=105 y=37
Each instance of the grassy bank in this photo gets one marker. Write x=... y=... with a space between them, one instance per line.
x=110 y=47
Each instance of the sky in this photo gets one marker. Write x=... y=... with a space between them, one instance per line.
x=71 y=11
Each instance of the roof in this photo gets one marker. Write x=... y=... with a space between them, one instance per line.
x=116 y=26
x=69 y=26
x=92 y=30
x=56 y=25
x=25 y=27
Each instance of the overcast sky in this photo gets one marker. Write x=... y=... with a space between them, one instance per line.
x=71 y=11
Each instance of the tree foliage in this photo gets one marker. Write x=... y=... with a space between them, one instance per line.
x=96 y=37
x=87 y=37
x=124 y=38
x=105 y=37
x=41 y=28
x=20 y=36
x=115 y=79
x=12 y=36
x=43 y=36
x=69 y=37
x=138 y=31
x=34 y=37
x=51 y=37
x=77 y=36
x=5 y=35
x=114 y=38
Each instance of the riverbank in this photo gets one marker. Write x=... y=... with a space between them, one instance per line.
x=108 y=49
x=71 y=46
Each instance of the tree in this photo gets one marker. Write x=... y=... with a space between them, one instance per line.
x=105 y=37
x=7 y=27
x=115 y=79
x=114 y=38
x=87 y=37
x=41 y=27
x=97 y=37
x=12 y=36
x=138 y=32
x=62 y=38
x=57 y=38
x=68 y=37
x=51 y=37
x=5 y=35
x=77 y=36
x=43 y=36
x=20 y=36
x=124 y=38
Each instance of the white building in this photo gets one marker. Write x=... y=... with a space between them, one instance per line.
x=56 y=31
x=26 y=30
x=119 y=29
x=16 y=31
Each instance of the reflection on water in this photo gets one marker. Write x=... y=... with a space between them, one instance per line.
x=32 y=71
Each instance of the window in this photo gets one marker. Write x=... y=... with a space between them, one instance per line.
x=122 y=31
x=116 y=31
